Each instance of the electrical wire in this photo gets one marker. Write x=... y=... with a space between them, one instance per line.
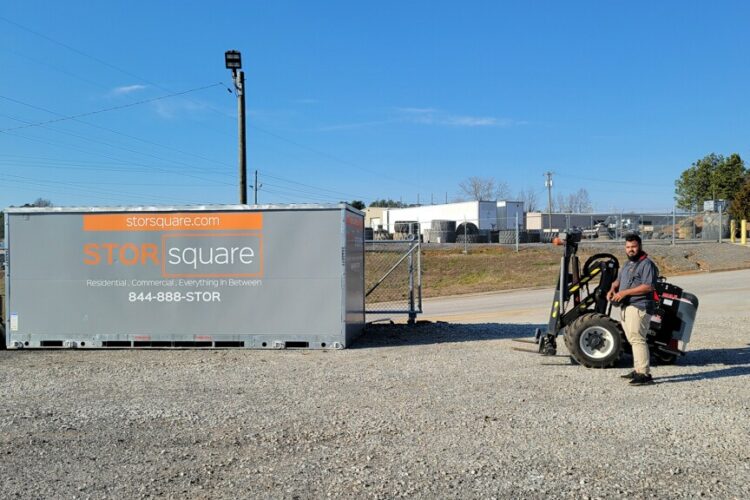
x=251 y=125
x=113 y=108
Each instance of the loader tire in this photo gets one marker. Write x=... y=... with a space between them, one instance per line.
x=664 y=358
x=594 y=341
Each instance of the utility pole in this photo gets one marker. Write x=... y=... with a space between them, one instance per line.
x=256 y=187
x=548 y=185
x=233 y=61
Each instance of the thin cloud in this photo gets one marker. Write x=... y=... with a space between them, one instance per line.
x=127 y=89
x=170 y=109
x=428 y=116
x=432 y=116
x=354 y=126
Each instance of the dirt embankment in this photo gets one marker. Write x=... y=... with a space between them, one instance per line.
x=487 y=268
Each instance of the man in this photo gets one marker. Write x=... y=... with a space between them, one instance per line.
x=634 y=291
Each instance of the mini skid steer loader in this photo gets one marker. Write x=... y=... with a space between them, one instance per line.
x=581 y=312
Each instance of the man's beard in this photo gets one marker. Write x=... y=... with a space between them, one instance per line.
x=636 y=257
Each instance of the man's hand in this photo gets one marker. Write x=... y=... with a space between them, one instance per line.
x=617 y=297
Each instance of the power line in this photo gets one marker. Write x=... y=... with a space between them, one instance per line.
x=255 y=127
x=606 y=181
x=73 y=187
x=311 y=186
x=161 y=169
x=79 y=52
x=113 y=108
x=97 y=141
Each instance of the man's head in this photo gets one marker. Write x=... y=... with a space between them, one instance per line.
x=632 y=246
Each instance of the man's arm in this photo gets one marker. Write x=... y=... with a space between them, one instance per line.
x=613 y=289
x=636 y=290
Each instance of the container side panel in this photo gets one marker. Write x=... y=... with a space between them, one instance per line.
x=277 y=276
x=355 y=275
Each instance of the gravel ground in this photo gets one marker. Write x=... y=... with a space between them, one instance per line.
x=438 y=411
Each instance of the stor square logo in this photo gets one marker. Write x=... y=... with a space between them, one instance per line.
x=212 y=255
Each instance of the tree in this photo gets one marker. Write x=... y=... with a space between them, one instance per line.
x=561 y=204
x=358 y=204
x=39 y=202
x=580 y=202
x=740 y=206
x=484 y=188
x=713 y=177
x=389 y=203
x=529 y=198
x=573 y=203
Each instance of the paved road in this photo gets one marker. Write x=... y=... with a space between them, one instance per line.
x=716 y=292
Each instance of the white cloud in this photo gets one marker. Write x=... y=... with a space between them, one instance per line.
x=353 y=126
x=127 y=89
x=171 y=108
x=432 y=116
x=428 y=116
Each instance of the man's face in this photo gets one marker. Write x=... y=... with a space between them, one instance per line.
x=631 y=248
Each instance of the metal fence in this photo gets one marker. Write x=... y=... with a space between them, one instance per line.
x=666 y=227
x=393 y=278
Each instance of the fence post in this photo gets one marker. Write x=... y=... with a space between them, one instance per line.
x=743 y=231
x=419 y=276
x=721 y=226
x=412 y=310
x=674 y=224
x=517 y=233
x=732 y=230
x=466 y=249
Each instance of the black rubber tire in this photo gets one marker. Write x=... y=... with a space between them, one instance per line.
x=471 y=228
x=506 y=237
x=663 y=358
x=469 y=238
x=575 y=330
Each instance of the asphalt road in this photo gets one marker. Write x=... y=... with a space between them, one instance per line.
x=716 y=292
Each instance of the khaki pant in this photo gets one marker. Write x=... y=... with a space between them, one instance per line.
x=636 y=322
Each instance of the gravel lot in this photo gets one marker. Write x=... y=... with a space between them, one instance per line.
x=434 y=411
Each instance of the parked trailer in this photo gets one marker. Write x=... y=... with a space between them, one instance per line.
x=212 y=276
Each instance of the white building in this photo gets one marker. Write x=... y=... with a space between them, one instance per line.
x=486 y=215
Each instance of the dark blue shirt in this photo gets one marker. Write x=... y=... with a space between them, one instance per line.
x=640 y=272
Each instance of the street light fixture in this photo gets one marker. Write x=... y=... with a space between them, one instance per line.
x=233 y=61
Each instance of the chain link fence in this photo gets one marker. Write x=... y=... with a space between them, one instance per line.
x=543 y=228
x=393 y=278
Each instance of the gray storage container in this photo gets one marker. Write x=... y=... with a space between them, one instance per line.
x=210 y=276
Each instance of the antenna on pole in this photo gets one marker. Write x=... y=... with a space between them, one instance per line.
x=548 y=185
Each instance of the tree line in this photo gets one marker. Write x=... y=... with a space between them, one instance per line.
x=715 y=177
x=490 y=189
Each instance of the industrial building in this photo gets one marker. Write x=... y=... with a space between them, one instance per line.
x=486 y=215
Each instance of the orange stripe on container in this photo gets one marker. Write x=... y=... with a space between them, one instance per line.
x=173 y=221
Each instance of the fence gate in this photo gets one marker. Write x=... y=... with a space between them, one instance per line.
x=393 y=278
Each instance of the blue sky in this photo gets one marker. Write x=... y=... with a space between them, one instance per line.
x=355 y=100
